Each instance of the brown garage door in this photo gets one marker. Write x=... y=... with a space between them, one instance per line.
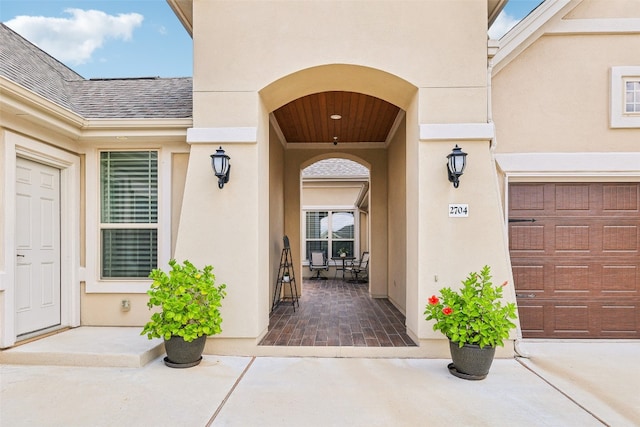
x=577 y=266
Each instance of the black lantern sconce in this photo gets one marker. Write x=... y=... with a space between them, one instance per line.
x=456 y=161
x=221 y=166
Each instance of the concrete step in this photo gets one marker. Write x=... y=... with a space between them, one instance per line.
x=87 y=346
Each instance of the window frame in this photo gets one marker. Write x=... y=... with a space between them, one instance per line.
x=94 y=282
x=619 y=117
x=330 y=210
x=112 y=208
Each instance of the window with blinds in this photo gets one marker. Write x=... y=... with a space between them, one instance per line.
x=330 y=231
x=128 y=213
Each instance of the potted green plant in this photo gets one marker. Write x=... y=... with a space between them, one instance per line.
x=475 y=320
x=189 y=304
x=343 y=252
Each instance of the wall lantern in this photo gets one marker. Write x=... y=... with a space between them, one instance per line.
x=456 y=161
x=221 y=166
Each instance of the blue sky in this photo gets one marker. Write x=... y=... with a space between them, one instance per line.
x=141 y=38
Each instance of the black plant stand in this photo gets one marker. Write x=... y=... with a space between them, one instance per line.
x=286 y=269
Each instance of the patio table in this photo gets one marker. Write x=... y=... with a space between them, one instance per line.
x=342 y=266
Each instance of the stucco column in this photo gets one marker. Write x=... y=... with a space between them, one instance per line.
x=225 y=227
x=451 y=247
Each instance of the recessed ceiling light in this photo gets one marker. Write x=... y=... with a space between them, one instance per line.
x=336 y=116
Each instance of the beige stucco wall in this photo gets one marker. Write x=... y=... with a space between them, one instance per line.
x=276 y=210
x=241 y=47
x=605 y=9
x=179 y=162
x=555 y=96
x=343 y=194
x=428 y=58
x=397 y=227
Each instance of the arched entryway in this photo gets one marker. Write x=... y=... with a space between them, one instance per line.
x=349 y=112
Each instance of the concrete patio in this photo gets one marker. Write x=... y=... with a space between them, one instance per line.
x=561 y=383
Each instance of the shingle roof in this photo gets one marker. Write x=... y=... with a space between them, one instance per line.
x=335 y=168
x=31 y=67
x=148 y=97
x=152 y=97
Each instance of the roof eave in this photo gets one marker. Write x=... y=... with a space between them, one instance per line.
x=528 y=30
x=494 y=8
x=39 y=110
x=184 y=11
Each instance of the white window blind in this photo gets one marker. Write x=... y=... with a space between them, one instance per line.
x=129 y=213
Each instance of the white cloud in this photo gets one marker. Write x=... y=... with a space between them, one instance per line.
x=503 y=23
x=75 y=39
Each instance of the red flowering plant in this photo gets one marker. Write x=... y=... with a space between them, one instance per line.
x=474 y=314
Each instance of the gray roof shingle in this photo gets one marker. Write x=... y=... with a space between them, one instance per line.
x=27 y=65
x=335 y=168
x=152 y=97
x=147 y=97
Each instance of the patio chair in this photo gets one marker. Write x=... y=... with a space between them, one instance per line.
x=317 y=263
x=359 y=269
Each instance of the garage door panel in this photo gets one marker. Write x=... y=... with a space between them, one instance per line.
x=533 y=317
x=620 y=279
x=576 y=268
x=571 y=318
x=525 y=239
x=546 y=318
x=529 y=199
x=621 y=197
x=529 y=278
x=619 y=319
x=620 y=238
x=572 y=197
x=572 y=238
x=587 y=278
x=572 y=279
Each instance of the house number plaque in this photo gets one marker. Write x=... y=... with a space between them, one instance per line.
x=458 y=210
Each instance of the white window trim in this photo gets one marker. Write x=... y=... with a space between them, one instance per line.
x=331 y=209
x=618 y=117
x=94 y=283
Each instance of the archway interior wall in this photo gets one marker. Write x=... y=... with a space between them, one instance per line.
x=376 y=161
x=363 y=80
x=397 y=225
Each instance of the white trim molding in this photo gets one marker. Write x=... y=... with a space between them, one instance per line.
x=93 y=282
x=222 y=135
x=617 y=115
x=457 y=131
x=570 y=164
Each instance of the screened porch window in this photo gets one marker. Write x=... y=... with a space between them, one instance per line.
x=128 y=213
x=330 y=231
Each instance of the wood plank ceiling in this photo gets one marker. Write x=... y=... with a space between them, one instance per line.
x=362 y=118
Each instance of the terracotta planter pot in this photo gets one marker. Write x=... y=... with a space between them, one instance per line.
x=182 y=354
x=470 y=362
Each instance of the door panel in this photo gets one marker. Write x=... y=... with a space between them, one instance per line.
x=37 y=246
x=575 y=253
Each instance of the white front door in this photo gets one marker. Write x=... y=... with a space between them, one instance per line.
x=37 y=247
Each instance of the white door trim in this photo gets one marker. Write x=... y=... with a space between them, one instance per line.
x=69 y=164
